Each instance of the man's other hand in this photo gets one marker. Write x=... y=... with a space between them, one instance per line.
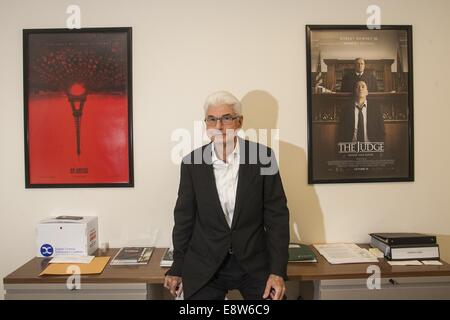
x=174 y=284
x=275 y=288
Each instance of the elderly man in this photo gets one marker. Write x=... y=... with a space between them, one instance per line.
x=349 y=80
x=231 y=218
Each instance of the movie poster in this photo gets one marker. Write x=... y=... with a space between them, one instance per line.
x=360 y=104
x=78 y=120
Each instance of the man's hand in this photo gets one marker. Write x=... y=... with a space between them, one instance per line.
x=275 y=288
x=174 y=284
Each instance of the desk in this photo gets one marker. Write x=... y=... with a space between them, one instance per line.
x=115 y=282
x=322 y=280
x=319 y=280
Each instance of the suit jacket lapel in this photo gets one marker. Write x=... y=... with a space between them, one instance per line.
x=244 y=170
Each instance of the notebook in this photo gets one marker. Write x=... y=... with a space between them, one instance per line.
x=301 y=253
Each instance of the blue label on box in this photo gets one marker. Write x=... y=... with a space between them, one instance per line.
x=46 y=250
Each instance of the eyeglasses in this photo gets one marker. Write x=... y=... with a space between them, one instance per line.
x=225 y=119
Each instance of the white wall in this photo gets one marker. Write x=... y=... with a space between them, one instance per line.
x=182 y=51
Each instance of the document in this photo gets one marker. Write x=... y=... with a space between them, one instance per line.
x=340 y=253
x=95 y=267
x=432 y=262
x=405 y=263
x=72 y=259
x=376 y=252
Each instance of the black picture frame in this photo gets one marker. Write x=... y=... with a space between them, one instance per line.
x=331 y=150
x=78 y=102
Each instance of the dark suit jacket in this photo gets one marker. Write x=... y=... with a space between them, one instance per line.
x=350 y=79
x=259 y=234
x=375 y=123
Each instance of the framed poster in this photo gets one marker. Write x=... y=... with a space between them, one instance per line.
x=78 y=107
x=360 y=104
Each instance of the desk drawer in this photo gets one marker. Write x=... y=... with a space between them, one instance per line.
x=88 y=291
x=390 y=288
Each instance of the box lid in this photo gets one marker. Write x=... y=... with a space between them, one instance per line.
x=68 y=219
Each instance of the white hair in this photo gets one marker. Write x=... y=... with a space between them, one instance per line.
x=223 y=97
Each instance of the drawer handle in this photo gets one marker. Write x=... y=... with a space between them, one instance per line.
x=393 y=282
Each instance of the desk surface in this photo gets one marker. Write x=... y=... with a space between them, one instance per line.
x=149 y=273
x=153 y=273
x=322 y=270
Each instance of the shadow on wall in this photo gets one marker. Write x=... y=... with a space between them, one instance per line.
x=444 y=246
x=260 y=111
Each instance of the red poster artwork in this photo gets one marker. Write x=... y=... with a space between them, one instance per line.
x=78 y=108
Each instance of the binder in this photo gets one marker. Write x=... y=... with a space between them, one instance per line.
x=414 y=252
x=403 y=238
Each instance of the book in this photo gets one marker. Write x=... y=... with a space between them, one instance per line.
x=132 y=256
x=401 y=238
x=301 y=253
x=167 y=258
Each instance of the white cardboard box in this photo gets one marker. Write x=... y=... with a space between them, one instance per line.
x=67 y=237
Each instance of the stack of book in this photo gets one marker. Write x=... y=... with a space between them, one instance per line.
x=406 y=246
x=132 y=256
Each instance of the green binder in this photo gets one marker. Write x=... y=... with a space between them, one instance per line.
x=301 y=253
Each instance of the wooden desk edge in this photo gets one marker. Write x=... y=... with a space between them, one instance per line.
x=387 y=271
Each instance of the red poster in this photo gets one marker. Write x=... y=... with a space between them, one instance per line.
x=78 y=118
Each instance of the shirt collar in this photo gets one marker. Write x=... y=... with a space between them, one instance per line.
x=364 y=105
x=230 y=157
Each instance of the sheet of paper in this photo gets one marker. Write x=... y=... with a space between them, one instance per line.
x=405 y=263
x=95 y=267
x=72 y=259
x=432 y=262
x=340 y=253
x=376 y=252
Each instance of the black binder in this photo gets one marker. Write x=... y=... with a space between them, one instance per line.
x=403 y=238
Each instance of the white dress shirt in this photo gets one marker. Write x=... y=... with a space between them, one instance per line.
x=226 y=174
x=364 y=111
